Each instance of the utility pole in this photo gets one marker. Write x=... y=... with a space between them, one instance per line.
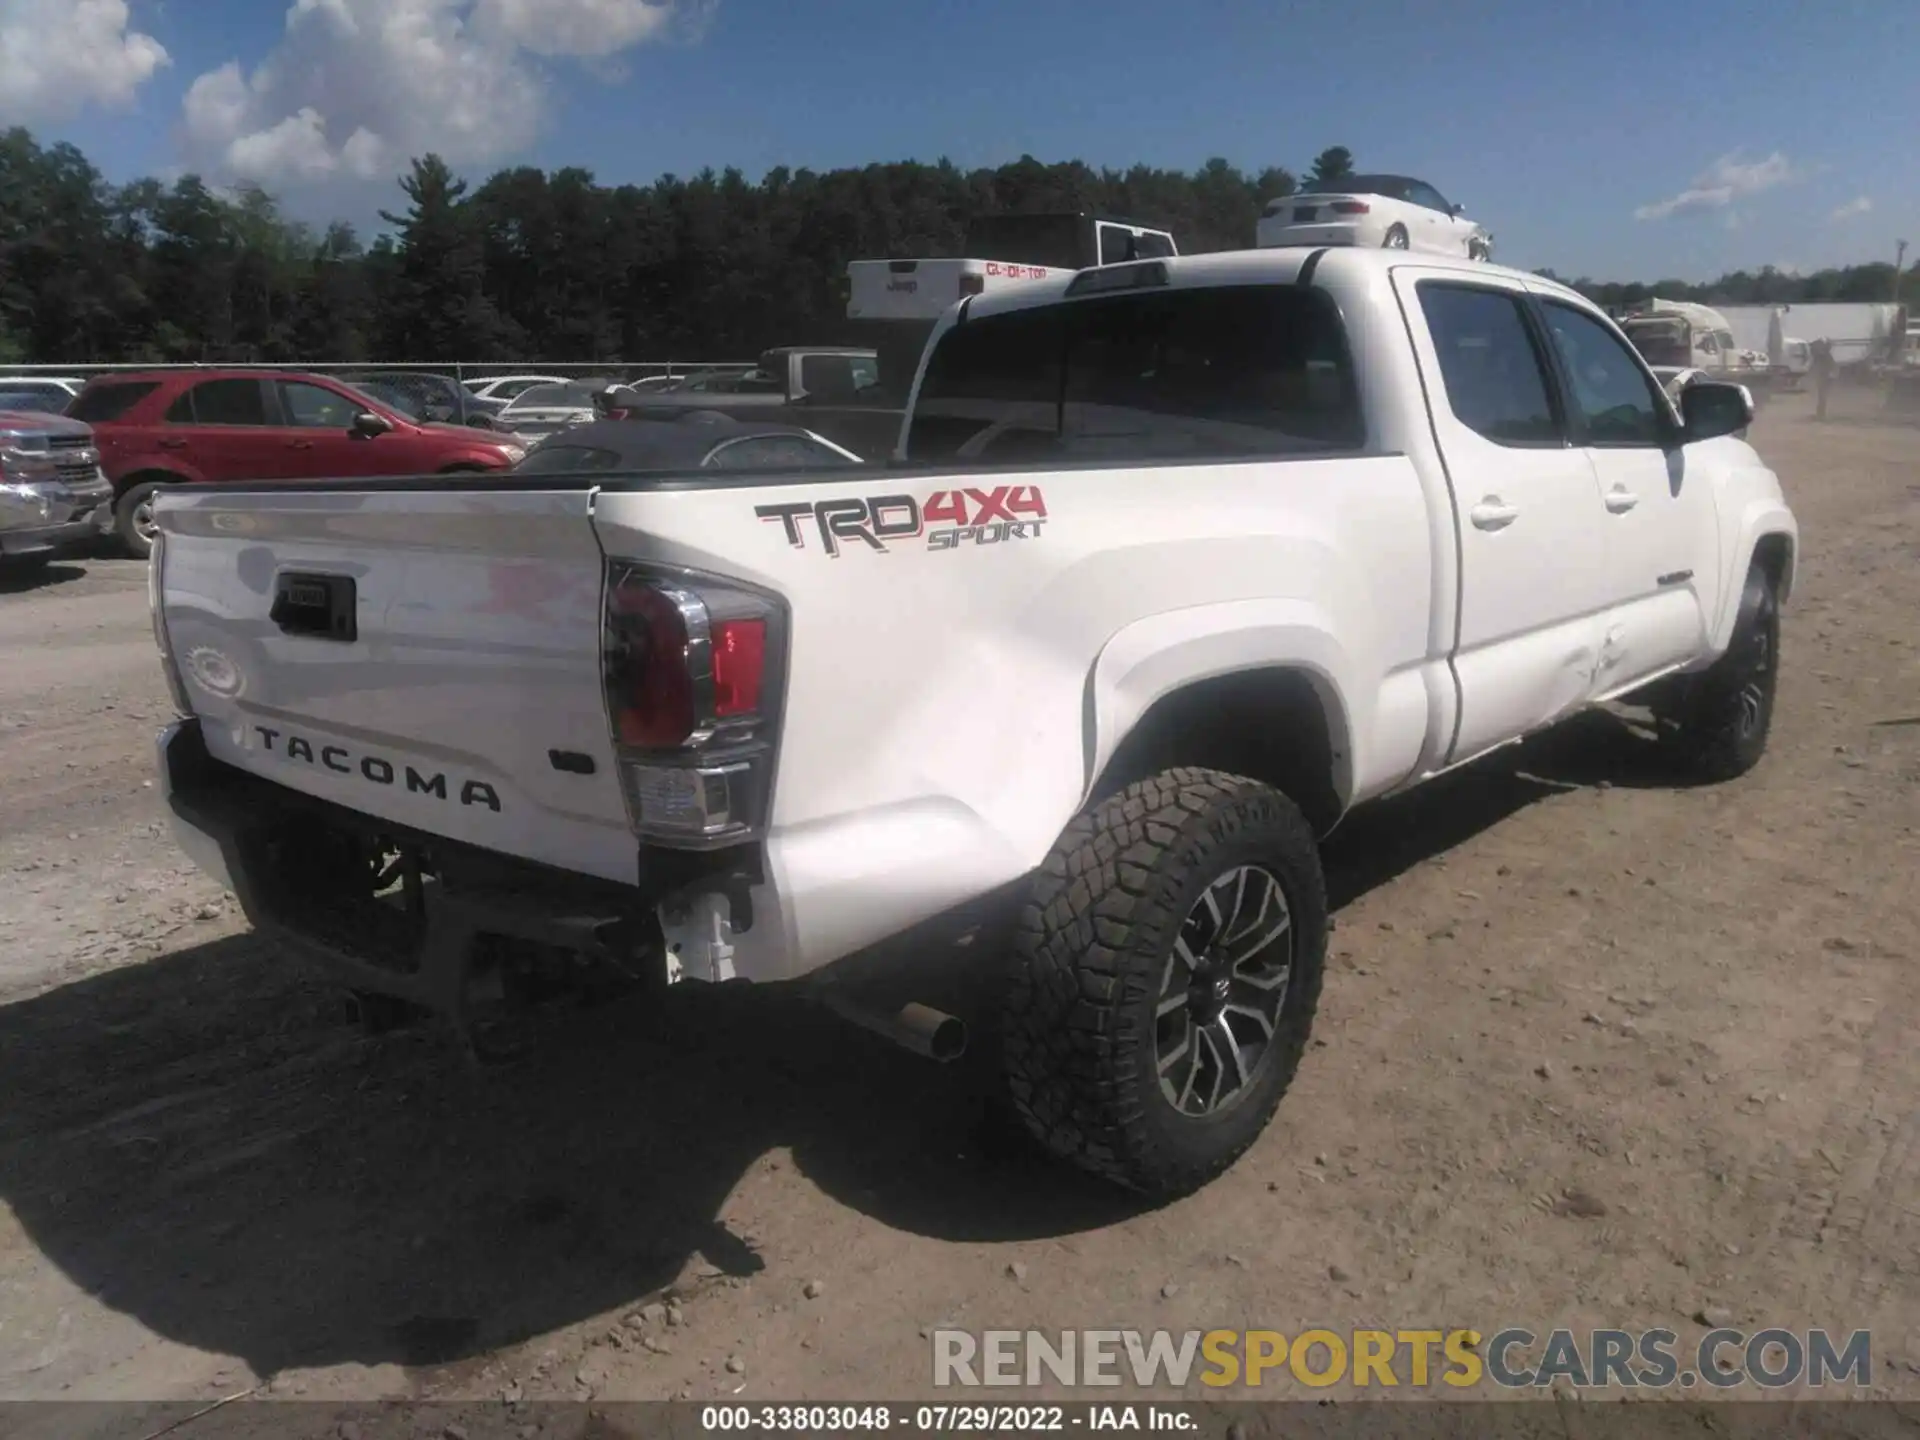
x=1897 y=342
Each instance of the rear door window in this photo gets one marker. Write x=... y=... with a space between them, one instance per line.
x=1220 y=372
x=110 y=401
x=221 y=402
x=1493 y=370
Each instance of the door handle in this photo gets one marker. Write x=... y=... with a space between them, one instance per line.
x=1620 y=500
x=168 y=444
x=1492 y=513
x=300 y=444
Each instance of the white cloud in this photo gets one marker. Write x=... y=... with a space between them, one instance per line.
x=58 y=56
x=1859 y=205
x=355 y=87
x=587 y=28
x=1726 y=180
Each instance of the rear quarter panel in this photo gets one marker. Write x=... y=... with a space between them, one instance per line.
x=946 y=705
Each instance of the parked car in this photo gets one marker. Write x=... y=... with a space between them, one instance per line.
x=1392 y=212
x=701 y=440
x=52 y=492
x=58 y=390
x=787 y=375
x=1187 y=559
x=39 y=402
x=539 y=410
x=165 y=427
x=428 y=398
x=504 y=388
x=712 y=380
x=833 y=390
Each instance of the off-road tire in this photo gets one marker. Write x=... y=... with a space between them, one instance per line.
x=1722 y=718
x=1397 y=239
x=1078 y=1021
x=125 y=519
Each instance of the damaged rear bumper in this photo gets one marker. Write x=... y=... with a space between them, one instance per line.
x=291 y=860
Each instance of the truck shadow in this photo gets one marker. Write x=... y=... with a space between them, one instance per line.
x=202 y=1143
x=18 y=580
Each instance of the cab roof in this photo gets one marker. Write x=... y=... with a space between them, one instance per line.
x=1268 y=265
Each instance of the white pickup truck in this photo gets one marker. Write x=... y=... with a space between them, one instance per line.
x=1185 y=559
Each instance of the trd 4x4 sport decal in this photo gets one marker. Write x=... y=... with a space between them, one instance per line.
x=964 y=518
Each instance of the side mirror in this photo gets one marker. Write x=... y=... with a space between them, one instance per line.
x=1712 y=408
x=1456 y=210
x=368 y=425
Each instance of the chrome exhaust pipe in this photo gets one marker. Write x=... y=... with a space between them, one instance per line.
x=927 y=1032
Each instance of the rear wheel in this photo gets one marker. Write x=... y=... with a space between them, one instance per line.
x=133 y=519
x=1165 y=974
x=1396 y=239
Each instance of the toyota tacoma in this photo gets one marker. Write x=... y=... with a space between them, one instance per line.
x=1181 y=560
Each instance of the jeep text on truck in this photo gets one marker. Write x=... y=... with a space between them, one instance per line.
x=1188 y=558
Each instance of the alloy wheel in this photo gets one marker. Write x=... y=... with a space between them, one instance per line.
x=1222 y=991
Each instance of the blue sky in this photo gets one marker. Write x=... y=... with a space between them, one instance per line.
x=1552 y=128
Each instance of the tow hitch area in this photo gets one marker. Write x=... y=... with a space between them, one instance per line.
x=698 y=935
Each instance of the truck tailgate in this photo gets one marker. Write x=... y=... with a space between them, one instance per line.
x=430 y=656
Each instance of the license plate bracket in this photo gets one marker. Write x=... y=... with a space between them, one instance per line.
x=323 y=607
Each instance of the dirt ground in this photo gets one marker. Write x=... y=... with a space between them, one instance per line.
x=1551 y=973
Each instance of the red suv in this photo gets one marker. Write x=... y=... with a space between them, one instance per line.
x=165 y=427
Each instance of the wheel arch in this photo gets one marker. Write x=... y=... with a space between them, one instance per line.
x=1768 y=537
x=1266 y=702
x=1774 y=553
x=150 y=474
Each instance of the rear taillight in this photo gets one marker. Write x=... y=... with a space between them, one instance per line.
x=739 y=666
x=1350 y=207
x=973 y=285
x=650 y=683
x=691 y=681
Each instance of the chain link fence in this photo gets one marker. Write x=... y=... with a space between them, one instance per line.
x=616 y=371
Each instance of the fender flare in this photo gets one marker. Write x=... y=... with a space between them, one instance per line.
x=1758 y=522
x=145 y=468
x=1160 y=655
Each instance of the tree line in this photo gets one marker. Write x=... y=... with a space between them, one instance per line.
x=535 y=266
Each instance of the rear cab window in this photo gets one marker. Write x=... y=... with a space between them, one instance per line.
x=1183 y=373
x=108 y=402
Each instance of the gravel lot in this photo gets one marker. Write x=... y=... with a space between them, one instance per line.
x=1593 y=1051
